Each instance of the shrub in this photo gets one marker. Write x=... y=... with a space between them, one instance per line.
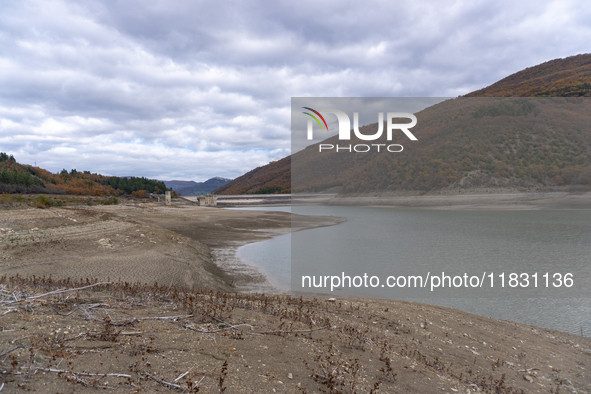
x=44 y=202
x=110 y=201
x=6 y=198
x=140 y=194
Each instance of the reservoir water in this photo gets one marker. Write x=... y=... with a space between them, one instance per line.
x=393 y=242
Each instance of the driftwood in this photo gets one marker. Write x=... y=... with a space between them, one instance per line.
x=163 y=382
x=118 y=375
x=11 y=350
x=65 y=291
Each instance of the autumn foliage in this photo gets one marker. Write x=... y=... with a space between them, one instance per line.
x=568 y=77
x=30 y=179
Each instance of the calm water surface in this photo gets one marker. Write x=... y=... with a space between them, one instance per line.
x=386 y=242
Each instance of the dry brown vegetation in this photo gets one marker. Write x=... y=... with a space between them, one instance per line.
x=78 y=336
x=568 y=77
x=11 y=201
x=274 y=178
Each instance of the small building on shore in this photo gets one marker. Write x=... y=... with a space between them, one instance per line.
x=208 y=200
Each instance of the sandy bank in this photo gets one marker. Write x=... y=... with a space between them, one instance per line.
x=183 y=246
x=224 y=231
x=501 y=201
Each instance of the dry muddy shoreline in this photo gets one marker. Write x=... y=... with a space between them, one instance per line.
x=184 y=246
x=130 y=338
x=474 y=200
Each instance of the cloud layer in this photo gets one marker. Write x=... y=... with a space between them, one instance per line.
x=195 y=89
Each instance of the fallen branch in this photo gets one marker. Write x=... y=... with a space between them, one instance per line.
x=288 y=331
x=182 y=375
x=88 y=315
x=165 y=317
x=65 y=291
x=190 y=327
x=73 y=376
x=163 y=382
x=528 y=370
x=90 y=306
x=11 y=350
x=117 y=375
x=65 y=314
x=97 y=333
x=136 y=319
x=54 y=292
x=232 y=326
x=9 y=310
x=166 y=357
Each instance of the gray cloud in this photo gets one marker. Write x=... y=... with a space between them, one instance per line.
x=194 y=89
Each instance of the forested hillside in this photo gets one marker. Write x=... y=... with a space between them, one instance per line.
x=20 y=178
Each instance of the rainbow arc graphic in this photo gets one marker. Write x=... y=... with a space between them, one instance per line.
x=315 y=118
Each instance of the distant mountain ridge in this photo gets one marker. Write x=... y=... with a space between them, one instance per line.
x=192 y=188
x=464 y=143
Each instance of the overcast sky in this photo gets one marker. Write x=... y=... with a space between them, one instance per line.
x=195 y=89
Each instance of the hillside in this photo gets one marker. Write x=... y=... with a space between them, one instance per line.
x=275 y=177
x=24 y=178
x=473 y=142
x=16 y=178
x=192 y=188
x=569 y=77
